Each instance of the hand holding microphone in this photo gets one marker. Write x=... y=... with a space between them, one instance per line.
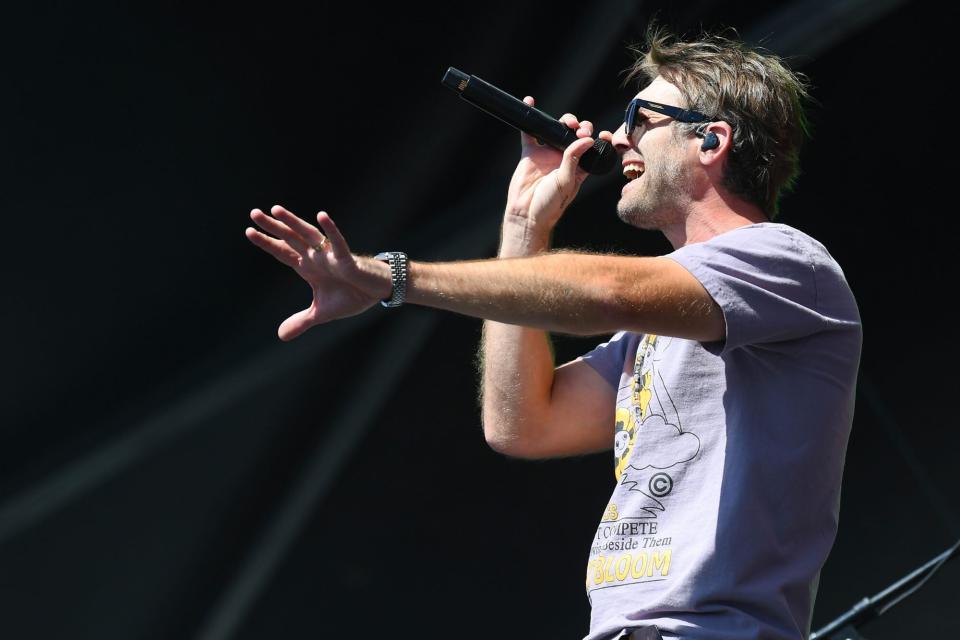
x=598 y=159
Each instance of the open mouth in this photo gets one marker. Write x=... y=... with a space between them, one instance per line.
x=633 y=171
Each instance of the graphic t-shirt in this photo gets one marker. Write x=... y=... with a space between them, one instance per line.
x=728 y=456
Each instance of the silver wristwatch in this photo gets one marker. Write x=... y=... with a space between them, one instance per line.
x=398 y=276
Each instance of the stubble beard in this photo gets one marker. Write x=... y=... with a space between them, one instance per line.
x=659 y=201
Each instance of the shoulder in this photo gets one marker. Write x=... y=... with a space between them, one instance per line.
x=773 y=283
x=769 y=247
x=780 y=239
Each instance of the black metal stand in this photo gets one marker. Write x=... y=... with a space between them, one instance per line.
x=845 y=627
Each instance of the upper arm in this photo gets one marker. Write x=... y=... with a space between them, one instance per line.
x=579 y=417
x=676 y=304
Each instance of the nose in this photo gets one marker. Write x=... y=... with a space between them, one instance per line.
x=620 y=141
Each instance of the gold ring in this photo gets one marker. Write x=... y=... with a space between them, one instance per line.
x=321 y=245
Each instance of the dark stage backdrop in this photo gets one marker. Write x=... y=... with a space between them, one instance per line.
x=169 y=469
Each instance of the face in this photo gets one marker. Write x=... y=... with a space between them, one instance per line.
x=660 y=195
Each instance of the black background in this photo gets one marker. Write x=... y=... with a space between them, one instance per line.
x=161 y=452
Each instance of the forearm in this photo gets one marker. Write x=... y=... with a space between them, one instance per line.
x=517 y=368
x=517 y=363
x=564 y=292
x=573 y=293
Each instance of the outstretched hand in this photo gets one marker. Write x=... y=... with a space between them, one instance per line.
x=323 y=259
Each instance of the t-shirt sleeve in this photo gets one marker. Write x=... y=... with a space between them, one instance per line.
x=608 y=358
x=766 y=282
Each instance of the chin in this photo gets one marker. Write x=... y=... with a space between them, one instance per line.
x=636 y=217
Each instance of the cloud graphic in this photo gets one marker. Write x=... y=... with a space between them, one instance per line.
x=661 y=445
x=638 y=482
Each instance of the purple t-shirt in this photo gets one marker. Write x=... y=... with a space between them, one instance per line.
x=729 y=455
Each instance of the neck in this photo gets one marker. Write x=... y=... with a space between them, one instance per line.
x=710 y=216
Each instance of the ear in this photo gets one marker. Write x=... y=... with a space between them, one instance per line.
x=715 y=140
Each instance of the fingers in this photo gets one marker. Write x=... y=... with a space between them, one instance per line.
x=527 y=140
x=296 y=236
x=280 y=230
x=606 y=136
x=310 y=234
x=338 y=245
x=584 y=128
x=570 y=171
x=277 y=248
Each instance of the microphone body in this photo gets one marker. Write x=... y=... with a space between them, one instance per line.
x=598 y=159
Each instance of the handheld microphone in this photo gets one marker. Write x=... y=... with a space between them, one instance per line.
x=598 y=159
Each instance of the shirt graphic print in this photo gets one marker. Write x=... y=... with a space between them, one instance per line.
x=651 y=449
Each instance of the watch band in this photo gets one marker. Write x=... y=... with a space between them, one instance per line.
x=398 y=276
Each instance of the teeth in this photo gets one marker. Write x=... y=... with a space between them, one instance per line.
x=633 y=171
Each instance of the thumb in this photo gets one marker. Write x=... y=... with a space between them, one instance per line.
x=296 y=325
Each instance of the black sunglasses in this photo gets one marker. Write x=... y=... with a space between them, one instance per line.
x=678 y=114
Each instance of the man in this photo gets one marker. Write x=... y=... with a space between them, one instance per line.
x=727 y=389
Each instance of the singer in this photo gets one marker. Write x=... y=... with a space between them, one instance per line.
x=726 y=391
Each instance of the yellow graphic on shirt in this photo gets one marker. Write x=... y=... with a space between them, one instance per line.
x=611 y=514
x=621 y=568
x=641 y=391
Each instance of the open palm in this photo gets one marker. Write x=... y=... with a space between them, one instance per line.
x=324 y=261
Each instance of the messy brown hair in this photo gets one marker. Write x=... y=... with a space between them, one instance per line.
x=750 y=89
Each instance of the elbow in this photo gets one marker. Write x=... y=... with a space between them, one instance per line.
x=499 y=438
x=506 y=438
x=502 y=446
